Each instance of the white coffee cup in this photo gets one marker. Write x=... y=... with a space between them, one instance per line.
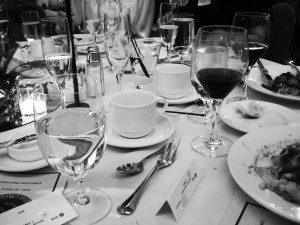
x=36 y=49
x=172 y=81
x=133 y=112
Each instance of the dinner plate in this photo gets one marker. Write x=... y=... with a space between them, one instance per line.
x=86 y=39
x=240 y=158
x=274 y=115
x=255 y=80
x=163 y=129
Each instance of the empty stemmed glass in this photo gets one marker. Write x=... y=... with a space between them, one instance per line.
x=110 y=14
x=56 y=48
x=221 y=59
x=73 y=139
x=92 y=18
x=258 y=26
x=185 y=34
x=117 y=48
x=168 y=30
x=3 y=24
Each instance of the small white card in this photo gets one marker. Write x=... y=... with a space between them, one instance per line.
x=183 y=190
x=243 y=211
x=50 y=209
x=19 y=188
x=203 y=2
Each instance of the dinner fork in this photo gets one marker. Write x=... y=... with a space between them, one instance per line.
x=166 y=159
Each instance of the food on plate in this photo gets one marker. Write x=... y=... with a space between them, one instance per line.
x=25 y=152
x=286 y=83
x=251 y=109
x=278 y=165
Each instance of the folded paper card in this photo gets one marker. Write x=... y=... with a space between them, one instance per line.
x=50 y=209
x=181 y=194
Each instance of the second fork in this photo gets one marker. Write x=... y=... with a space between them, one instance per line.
x=166 y=159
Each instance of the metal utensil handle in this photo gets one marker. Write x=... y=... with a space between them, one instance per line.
x=154 y=153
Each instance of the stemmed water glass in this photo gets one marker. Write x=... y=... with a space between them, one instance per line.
x=72 y=139
x=185 y=34
x=168 y=30
x=117 y=48
x=92 y=18
x=221 y=59
x=258 y=26
x=110 y=14
x=56 y=48
x=3 y=24
x=31 y=25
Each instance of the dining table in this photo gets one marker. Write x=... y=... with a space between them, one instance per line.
x=215 y=196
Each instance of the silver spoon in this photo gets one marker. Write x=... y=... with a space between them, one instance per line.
x=134 y=168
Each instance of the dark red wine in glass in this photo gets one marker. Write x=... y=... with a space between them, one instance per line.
x=219 y=82
x=256 y=51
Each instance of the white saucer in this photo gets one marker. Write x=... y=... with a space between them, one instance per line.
x=189 y=97
x=8 y=164
x=274 y=115
x=163 y=130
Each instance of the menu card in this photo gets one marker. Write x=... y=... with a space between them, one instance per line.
x=19 y=188
x=179 y=197
x=243 y=211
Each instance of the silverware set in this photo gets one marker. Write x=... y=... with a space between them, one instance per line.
x=166 y=159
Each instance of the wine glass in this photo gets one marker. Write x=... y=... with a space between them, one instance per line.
x=3 y=24
x=72 y=139
x=110 y=14
x=185 y=34
x=56 y=48
x=168 y=30
x=92 y=18
x=221 y=59
x=258 y=26
x=31 y=25
x=117 y=49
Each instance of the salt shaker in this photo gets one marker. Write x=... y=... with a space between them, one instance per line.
x=94 y=65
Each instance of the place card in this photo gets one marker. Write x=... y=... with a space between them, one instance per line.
x=181 y=194
x=50 y=209
x=243 y=210
x=19 y=188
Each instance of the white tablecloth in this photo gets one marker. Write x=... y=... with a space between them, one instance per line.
x=211 y=198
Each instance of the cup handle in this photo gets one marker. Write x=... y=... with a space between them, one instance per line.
x=164 y=102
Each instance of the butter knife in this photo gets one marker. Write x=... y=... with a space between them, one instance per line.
x=18 y=140
x=265 y=72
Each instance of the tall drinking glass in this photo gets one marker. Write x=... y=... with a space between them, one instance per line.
x=258 y=26
x=31 y=25
x=73 y=139
x=92 y=18
x=221 y=59
x=56 y=48
x=117 y=49
x=3 y=24
x=168 y=30
x=185 y=35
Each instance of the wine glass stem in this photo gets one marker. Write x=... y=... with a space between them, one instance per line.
x=168 y=46
x=94 y=38
x=61 y=87
x=215 y=106
x=245 y=86
x=82 y=198
x=119 y=77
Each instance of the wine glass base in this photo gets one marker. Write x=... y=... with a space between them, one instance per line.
x=98 y=207
x=205 y=145
x=236 y=99
x=201 y=119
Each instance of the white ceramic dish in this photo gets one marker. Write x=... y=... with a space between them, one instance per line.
x=254 y=80
x=274 y=115
x=241 y=156
x=189 y=97
x=163 y=130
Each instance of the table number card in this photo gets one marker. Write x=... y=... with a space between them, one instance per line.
x=50 y=209
x=183 y=190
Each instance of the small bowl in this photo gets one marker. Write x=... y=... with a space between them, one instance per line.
x=25 y=152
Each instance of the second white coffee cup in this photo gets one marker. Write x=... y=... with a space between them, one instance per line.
x=172 y=81
x=133 y=112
